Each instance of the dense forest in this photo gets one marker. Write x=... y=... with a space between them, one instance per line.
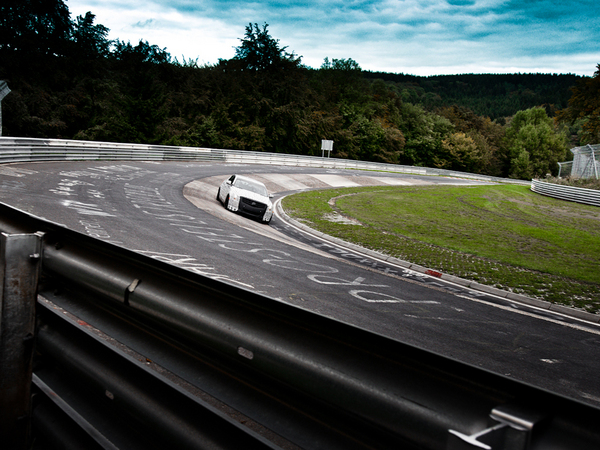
x=69 y=81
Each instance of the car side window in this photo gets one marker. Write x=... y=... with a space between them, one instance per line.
x=231 y=178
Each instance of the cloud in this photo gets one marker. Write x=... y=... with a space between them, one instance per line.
x=421 y=37
x=144 y=24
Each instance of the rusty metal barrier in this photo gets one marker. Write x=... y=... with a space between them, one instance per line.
x=133 y=353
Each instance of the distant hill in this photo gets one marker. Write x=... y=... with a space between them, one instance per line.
x=492 y=95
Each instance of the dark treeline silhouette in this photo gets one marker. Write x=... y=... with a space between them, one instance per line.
x=69 y=81
x=497 y=96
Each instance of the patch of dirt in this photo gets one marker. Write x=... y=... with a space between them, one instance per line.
x=338 y=218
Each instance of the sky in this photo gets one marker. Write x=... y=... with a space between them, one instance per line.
x=415 y=37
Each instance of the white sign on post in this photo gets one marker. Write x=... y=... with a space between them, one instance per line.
x=326 y=145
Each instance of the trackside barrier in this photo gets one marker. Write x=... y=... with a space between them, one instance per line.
x=570 y=193
x=301 y=379
x=15 y=149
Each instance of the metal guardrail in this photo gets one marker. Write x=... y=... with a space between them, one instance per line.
x=30 y=149
x=570 y=193
x=311 y=380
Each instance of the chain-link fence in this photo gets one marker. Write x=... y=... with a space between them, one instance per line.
x=585 y=163
x=565 y=169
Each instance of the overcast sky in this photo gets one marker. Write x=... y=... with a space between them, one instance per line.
x=417 y=37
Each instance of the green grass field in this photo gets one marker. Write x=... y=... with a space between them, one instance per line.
x=500 y=235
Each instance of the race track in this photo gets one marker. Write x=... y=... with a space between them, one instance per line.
x=168 y=211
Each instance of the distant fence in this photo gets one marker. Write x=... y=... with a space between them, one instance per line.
x=15 y=149
x=585 y=163
x=565 y=169
x=570 y=193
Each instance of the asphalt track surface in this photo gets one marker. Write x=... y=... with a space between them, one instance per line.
x=169 y=211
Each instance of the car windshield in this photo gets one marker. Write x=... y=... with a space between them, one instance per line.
x=251 y=186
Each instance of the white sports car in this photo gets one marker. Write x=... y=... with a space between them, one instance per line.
x=246 y=196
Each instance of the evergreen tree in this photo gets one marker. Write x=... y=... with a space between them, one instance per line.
x=424 y=132
x=259 y=51
x=487 y=137
x=34 y=27
x=143 y=52
x=584 y=108
x=534 y=145
x=89 y=40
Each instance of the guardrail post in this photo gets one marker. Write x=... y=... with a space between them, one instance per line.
x=4 y=91
x=20 y=264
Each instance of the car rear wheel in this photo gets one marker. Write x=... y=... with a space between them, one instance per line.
x=218 y=195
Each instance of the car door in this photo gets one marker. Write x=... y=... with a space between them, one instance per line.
x=226 y=187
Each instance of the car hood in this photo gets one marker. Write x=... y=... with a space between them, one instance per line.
x=253 y=196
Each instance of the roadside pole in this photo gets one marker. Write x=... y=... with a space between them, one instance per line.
x=20 y=266
x=4 y=91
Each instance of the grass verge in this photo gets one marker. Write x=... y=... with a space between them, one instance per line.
x=499 y=235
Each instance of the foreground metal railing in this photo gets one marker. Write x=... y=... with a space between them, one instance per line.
x=29 y=149
x=133 y=353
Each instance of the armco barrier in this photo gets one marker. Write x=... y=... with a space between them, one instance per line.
x=29 y=149
x=298 y=379
x=570 y=193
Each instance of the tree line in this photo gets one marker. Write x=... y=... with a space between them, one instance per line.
x=69 y=81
